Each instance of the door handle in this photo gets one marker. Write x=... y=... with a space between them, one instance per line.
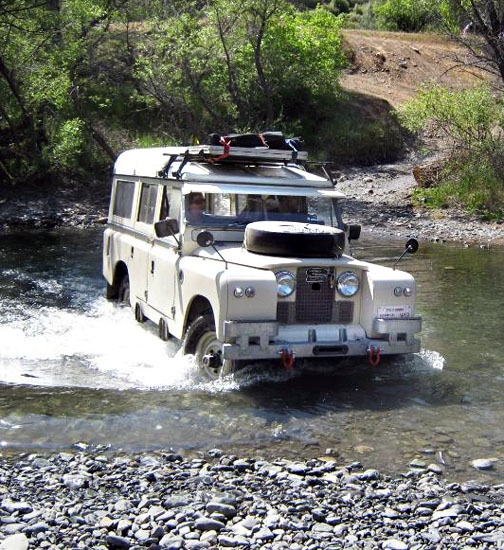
x=152 y=267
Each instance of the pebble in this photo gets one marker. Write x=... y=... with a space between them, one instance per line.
x=483 y=463
x=15 y=542
x=241 y=505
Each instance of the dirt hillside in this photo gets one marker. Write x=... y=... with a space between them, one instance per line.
x=393 y=66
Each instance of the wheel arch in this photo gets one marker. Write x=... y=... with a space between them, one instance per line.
x=199 y=306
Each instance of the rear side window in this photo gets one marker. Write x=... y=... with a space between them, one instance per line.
x=123 y=203
x=148 y=198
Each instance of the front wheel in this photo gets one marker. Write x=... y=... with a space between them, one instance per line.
x=201 y=341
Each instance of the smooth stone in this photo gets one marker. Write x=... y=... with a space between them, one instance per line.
x=176 y=502
x=12 y=506
x=394 y=544
x=149 y=461
x=74 y=481
x=39 y=527
x=142 y=535
x=322 y=528
x=115 y=542
x=297 y=468
x=465 y=526
x=209 y=536
x=124 y=525
x=227 y=541
x=370 y=475
x=169 y=542
x=417 y=463
x=12 y=528
x=196 y=545
x=225 y=509
x=15 y=542
x=483 y=463
x=264 y=534
x=452 y=512
x=435 y=469
x=209 y=524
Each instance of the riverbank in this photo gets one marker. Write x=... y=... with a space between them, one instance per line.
x=378 y=198
x=162 y=501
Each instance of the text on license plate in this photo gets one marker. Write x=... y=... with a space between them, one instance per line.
x=394 y=312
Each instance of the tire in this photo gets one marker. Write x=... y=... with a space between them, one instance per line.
x=123 y=295
x=139 y=316
x=201 y=341
x=301 y=240
x=163 y=332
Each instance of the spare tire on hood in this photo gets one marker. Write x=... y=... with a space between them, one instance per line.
x=301 y=240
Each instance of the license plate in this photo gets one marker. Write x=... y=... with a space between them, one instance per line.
x=394 y=312
x=317 y=275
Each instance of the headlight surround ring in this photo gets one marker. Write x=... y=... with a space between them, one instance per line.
x=286 y=281
x=348 y=284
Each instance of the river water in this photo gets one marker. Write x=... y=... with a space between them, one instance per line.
x=75 y=368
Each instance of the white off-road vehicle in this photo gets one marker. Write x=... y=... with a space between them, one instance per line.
x=242 y=254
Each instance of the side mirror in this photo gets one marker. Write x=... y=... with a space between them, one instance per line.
x=412 y=246
x=166 y=228
x=205 y=239
x=354 y=232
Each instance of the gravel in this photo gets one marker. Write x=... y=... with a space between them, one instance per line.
x=154 y=501
x=381 y=200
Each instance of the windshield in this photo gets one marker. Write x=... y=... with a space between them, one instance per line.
x=228 y=210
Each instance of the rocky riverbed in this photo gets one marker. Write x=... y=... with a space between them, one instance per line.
x=162 y=501
x=380 y=199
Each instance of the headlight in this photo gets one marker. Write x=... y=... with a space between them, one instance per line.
x=408 y=291
x=348 y=284
x=286 y=283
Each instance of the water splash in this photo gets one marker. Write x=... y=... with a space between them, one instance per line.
x=103 y=347
x=432 y=358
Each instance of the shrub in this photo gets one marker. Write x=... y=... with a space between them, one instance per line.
x=404 y=15
x=473 y=122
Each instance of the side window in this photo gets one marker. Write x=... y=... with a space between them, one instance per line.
x=123 y=202
x=148 y=198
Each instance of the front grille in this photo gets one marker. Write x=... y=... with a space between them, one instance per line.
x=315 y=303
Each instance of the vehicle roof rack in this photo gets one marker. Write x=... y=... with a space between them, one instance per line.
x=222 y=153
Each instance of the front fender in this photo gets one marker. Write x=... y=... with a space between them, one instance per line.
x=210 y=279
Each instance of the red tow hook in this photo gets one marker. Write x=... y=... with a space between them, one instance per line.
x=288 y=358
x=374 y=356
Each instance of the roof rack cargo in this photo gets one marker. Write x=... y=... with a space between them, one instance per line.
x=263 y=147
x=220 y=153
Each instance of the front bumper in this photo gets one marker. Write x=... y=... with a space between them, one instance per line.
x=267 y=339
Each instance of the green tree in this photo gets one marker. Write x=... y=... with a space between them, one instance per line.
x=240 y=65
x=46 y=54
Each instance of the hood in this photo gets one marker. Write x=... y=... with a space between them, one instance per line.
x=238 y=255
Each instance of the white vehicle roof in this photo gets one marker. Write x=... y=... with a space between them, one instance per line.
x=263 y=169
x=260 y=190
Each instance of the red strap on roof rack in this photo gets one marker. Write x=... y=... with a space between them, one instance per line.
x=227 y=147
